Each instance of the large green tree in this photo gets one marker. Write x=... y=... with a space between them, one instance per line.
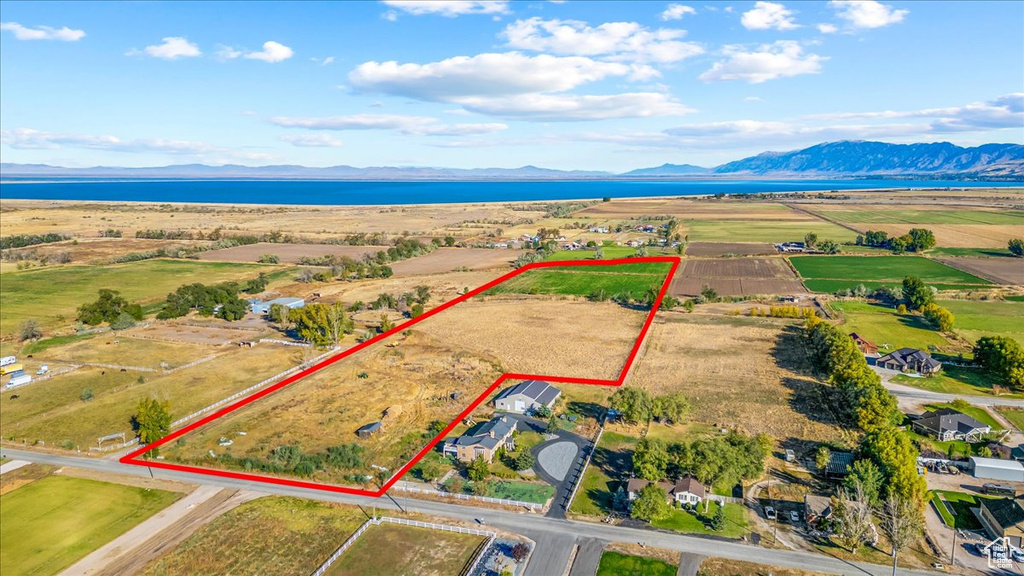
x=1003 y=357
x=635 y=404
x=1016 y=247
x=107 y=307
x=651 y=504
x=321 y=324
x=152 y=421
x=650 y=459
x=671 y=407
x=916 y=293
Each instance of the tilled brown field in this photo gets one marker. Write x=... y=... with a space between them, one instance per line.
x=449 y=259
x=290 y=253
x=1000 y=270
x=736 y=277
x=714 y=249
x=735 y=371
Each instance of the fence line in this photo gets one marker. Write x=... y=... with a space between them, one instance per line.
x=285 y=342
x=431 y=525
x=254 y=387
x=110 y=366
x=112 y=447
x=191 y=364
x=533 y=506
x=583 y=469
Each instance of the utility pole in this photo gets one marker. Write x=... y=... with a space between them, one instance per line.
x=952 y=552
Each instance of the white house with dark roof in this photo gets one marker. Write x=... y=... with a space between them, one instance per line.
x=527 y=396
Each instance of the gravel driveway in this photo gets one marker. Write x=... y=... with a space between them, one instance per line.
x=557 y=458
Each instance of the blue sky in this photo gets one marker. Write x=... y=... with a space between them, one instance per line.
x=571 y=85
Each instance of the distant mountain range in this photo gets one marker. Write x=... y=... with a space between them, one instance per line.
x=846 y=159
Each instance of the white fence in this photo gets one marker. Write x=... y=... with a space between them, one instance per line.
x=533 y=506
x=111 y=447
x=275 y=378
x=285 y=342
x=583 y=469
x=431 y=525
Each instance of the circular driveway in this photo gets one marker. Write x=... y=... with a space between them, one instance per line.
x=556 y=459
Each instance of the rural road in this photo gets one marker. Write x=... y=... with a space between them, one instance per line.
x=554 y=537
x=903 y=391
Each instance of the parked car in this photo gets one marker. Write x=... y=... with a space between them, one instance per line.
x=769 y=513
x=794 y=516
x=1017 y=555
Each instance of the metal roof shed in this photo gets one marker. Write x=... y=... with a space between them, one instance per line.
x=996 y=469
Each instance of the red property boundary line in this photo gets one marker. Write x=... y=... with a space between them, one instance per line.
x=133 y=457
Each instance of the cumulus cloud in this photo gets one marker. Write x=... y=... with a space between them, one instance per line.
x=616 y=41
x=411 y=125
x=867 y=13
x=487 y=75
x=767 y=16
x=781 y=59
x=1003 y=112
x=828 y=28
x=63 y=34
x=272 y=52
x=677 y=11
x=447 y=8
x=312 y=141
x=28 y=139
x=173 y=48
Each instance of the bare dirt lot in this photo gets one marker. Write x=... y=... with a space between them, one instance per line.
x=290 y=253
x=735 y=277
x=736 y=372
x=449 y=259
x=1000 y=270
x=411 y=377
x=716 y=249
x=197 y=334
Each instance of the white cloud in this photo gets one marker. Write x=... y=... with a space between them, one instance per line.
x=571 y=107
x=272 y=53
x=677 y=11
x=486 y=75
x=613 y=40
x=1003 y=112
x=63 y=34
x=828 y=28
x=173 y=48
x=753 y=99
x=28 y=139
x=312 y=141
x=782 y=59
x=411 y=125
x=867 y=13
x=767 y=16
x=447 y=8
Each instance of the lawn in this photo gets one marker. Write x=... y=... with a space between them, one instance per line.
x=961 y=503
x=1014 y=415
x=52 y=523
x=954 y=380
x=272 y=536
x=51 y=295
x=977 y=318
x=697 y=522
x=617 y=564
x=883 y=326
x=632 y=280
x=395 y=549
x=833 y=273
x=521 y=491
x=773 y=231
x=611 y=461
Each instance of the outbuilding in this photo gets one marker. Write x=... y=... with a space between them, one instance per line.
x=527 y=396
x=369 y=430
x=19 y=378
x=996 y=469
x=257 y=306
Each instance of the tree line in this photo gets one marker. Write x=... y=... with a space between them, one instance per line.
x=916 y=240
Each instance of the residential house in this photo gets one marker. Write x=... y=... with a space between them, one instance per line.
x=527 y=396
x=684 y=491
x=1002 y=518
x=867 y=347
x=910 y=360
x=485 y=441
x=946 y=424
x=839 y=464
x=817 y=508
x=257 y=306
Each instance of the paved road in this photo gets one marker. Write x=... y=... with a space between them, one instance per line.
x=588 y=557
x=926 y=396
x=689 y=564
x=13 y=465
x=554 y=537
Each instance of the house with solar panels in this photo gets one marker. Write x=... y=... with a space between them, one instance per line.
x=527 y=397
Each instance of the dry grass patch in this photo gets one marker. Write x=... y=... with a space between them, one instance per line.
x=1000 y=270
x=395 y=549
x=103 y=249
x=288 y=252
x=736 y=372
x=724 y=567
x=449 y=259
x=113 y=348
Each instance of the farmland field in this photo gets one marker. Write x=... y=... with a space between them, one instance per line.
x=290 y=253
x=395 y=549
x=771 y=231
x=449 y=259
x=889 y=330
x=632 y=280
x=998 y=270
x=736 y=276
x=121 y=349
x=975 y=318
x=616 y=564
x=918 y=215
x=832 y=273
x=101 y=250
x=51 y=523
x=51 y=295
x=714 y=249
x=272 y=536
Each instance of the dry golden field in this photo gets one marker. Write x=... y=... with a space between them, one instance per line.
x=100 y=250
x=450 y=259
x=290 y=253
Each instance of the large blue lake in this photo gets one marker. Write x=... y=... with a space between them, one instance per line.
x=347 y=192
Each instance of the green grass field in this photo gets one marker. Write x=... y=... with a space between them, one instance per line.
x=954 y=380
x=617 y=564
x=271 y=536
x=52 y=523
x=976 y=318
x=736 y=524
x=977 y=252
x=51 y=295
x=883 y=325
x=773 y=231
x=396 y=549
x=961 y=503
x=632 y=280
x=612 y=458
x=1013 y=416
x=833 y=273
x=521 y=491
x=610 y=251
x=917 y=217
